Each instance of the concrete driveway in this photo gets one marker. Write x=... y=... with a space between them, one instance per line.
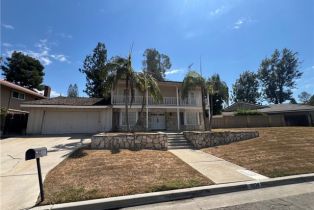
x=19 y=180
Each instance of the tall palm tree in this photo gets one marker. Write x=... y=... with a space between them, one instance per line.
x=216 y=87
x=192 y=80
x=146 y=82
x=121 y=69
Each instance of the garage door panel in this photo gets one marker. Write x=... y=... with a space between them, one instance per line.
x=58 y=122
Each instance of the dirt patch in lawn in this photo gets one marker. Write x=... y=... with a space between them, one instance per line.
x=277 y=152
x=91 y=174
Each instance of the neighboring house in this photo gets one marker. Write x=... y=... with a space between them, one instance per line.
x=292 y=114
x=91 y=115
x=13 y=95
x=13 y=116
x=243 y=106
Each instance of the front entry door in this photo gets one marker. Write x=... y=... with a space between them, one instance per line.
x=158 y=121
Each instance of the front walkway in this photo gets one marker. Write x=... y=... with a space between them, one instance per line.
x=216 y=169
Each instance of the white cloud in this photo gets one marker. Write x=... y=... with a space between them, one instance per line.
x=5 y=44
x=8 y=26
x=43 y=53
x=53 y=93
x=60 y=57
x=242 y=21
x=173 y=71
x=217 y=11
x=65 y=35
x=239 y=23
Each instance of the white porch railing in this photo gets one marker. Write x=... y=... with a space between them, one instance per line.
x=120 y=100
x=168 y=101
x=190 y=102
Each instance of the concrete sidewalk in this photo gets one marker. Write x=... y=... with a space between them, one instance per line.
x=216 y=169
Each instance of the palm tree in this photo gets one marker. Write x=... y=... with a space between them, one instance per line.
x=146 y=82
x=218 y=88
x=192 y=80
x=121 y=69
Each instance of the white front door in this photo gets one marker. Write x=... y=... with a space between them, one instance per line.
x=158 y=121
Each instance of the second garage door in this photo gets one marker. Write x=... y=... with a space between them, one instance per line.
x=59 y=122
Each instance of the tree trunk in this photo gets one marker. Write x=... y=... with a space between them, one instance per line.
x=211 y=109
x=140 y=121
x=206 y=126
x=126 y=104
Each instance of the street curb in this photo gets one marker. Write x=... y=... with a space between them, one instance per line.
x=171 y=195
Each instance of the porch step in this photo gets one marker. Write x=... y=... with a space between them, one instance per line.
x=178 y=141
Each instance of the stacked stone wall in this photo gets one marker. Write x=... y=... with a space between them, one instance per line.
x=209 y=139
x=136 y=141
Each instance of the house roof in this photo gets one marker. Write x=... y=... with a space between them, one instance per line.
x=20 y=88
x=66 y=101
x=171 y=82
x=277 y=108
x=243 y=105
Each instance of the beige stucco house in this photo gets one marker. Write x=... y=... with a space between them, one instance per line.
x=91 y=115
x=172 y=113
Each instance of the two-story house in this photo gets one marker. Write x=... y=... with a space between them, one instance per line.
x=172 y=113
x=13 y=95
x=91 y=115
x=13 y=116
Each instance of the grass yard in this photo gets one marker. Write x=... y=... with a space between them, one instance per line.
x=277 y=152
x=91 y=174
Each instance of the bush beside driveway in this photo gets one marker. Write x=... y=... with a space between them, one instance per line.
x=279 y=151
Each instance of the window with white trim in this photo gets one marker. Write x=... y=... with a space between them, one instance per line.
x=17 y=95
x=132 y=118
x=191 y=118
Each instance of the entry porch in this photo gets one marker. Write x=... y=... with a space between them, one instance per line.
x=159 y=119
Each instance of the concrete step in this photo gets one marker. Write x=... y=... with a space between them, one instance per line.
x=176 y=137
x=179 y=147
x=178 y=143
x=178 y=140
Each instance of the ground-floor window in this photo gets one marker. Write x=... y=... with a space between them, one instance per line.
x=132 y=118
x=191 y=118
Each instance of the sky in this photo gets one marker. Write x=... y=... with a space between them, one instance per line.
x=230 y=36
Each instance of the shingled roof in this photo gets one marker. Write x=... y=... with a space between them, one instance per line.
x=243 y=105
x=20 y=88
x=66 y=101
x=276 y=108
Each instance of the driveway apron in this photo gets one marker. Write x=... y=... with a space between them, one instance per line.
x=19 y=180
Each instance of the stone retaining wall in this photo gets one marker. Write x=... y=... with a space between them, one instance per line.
x=136 y=141
x=210 y=139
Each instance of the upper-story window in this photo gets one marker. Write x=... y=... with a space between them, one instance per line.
x=17 y=95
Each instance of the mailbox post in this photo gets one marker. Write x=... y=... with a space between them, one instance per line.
x=36 y=153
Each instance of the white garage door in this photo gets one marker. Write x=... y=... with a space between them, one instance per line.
x=59 y=122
